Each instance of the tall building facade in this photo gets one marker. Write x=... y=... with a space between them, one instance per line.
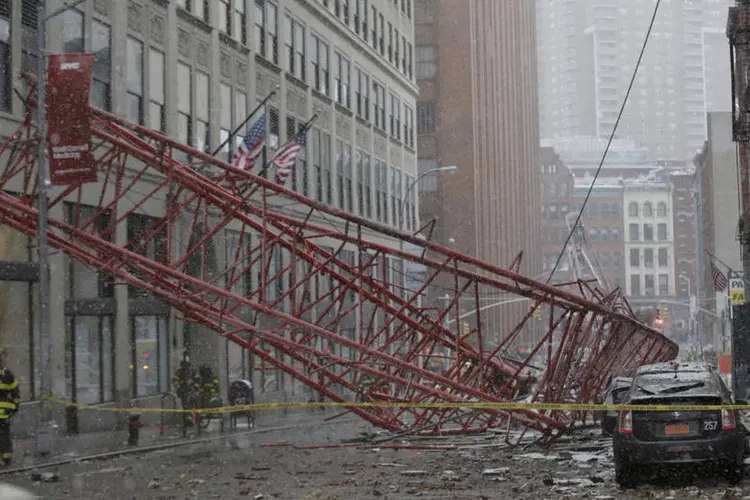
x=477 y=110
x=588 y=50
x=649 y=239
x=719 y=212
x=195 y=69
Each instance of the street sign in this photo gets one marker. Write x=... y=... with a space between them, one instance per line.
x=736 y=291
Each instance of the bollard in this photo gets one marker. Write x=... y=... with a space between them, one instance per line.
x=134 y=426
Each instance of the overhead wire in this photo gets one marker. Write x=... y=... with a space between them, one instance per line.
x=609 y=141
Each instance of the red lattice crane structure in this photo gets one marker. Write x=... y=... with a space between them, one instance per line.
x=331 y=312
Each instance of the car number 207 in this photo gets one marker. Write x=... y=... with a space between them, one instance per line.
x=710 y=425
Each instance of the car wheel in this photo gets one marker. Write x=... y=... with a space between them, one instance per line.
x=734 y=472
x=625 y=476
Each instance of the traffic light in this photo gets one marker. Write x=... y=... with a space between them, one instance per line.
x=537 y=313
x=664 y=314
x=658 y=320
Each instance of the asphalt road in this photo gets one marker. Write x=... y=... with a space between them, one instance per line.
x=274 y=466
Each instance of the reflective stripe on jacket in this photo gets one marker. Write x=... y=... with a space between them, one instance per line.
x=10 y=395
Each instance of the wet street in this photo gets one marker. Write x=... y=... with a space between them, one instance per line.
x=320 y=462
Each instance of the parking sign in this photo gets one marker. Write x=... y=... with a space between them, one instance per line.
x=736 y=291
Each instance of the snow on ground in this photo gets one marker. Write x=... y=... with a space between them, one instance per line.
x=276 y=466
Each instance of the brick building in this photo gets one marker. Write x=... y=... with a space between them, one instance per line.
x=477 y=110
x=562 y=194
x=557 y=199
x=602 y=220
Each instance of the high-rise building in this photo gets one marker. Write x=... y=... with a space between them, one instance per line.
x=478 y=111
x=195 y=69
x=588 y=50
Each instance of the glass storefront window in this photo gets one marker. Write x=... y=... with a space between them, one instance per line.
x=150 y=364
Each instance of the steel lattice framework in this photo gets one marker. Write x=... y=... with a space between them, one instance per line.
x=307 y=288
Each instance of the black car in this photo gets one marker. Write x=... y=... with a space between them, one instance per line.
x=646 y=438
x=615 y=394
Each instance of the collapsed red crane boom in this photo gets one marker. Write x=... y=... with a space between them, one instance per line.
x=313 y=291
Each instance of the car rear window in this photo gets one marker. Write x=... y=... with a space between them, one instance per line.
x=667 y=383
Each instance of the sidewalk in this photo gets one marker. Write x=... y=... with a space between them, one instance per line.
x=94 y=443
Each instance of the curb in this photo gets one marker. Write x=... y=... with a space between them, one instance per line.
x=155 y=447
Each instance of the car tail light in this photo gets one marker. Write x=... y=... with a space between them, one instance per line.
x=727 y=420
x=626 y=422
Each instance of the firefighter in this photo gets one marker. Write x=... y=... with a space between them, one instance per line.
x=184 y=382
x=10 y=398
x=186 y=388
x=208 y=385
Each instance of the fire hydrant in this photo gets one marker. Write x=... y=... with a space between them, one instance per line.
x=134 y=426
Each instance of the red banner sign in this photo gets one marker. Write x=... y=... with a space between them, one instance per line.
x=71 y=160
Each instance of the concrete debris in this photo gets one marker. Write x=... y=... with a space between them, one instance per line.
x=45 y=477
x=570 y=482
x=450 y=475
x=578 y=471
x=414 y=473
x=249 y=477
x=537 y=456
x=500 y=471
x=586 y=457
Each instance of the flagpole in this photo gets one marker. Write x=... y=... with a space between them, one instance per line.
x=244 y=122
x=263 y=171
x=731 y=271
x=306 y=125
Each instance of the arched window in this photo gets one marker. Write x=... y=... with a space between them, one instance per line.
x=633 y=209
x=661 y=209
x=648 y=209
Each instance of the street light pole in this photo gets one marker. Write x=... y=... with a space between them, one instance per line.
x=45 y=432
x=451 y=169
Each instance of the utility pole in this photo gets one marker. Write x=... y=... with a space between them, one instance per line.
x=45 y=426
x=45 y=431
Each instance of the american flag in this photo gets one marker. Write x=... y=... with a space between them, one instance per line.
x=252 y=144
x=286 y=158
x=720 y=281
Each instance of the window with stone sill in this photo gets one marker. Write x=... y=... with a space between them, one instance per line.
x=101 y=81
x=134 y=86
x=157 y=112
x=295 y=47
x=362 y=95
x=342 y=77
x=319 y=53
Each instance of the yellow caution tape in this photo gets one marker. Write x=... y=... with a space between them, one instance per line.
x=466 y=405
